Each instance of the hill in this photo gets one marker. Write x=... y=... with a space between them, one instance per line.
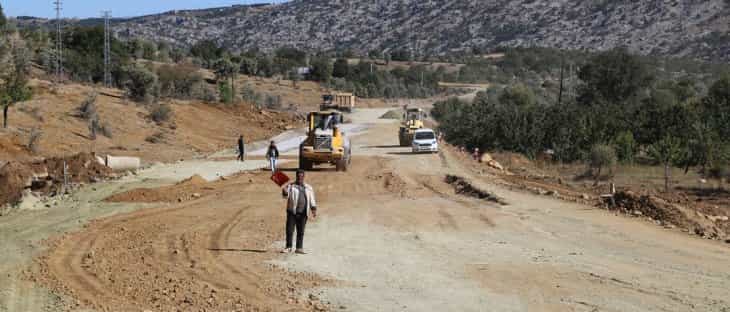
x=679 y=28
x=194 y=128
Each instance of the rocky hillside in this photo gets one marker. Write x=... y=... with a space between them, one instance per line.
x=661 y=27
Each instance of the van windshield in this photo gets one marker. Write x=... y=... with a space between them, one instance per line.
x=425 y=136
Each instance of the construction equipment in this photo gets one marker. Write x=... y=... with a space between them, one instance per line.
x=412 y=121
x=325 y=142
x=338 y=101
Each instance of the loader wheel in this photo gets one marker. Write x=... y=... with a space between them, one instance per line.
x=304 y=164
x=341 y=165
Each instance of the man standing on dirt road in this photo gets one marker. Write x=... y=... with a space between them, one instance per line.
x=241 y=148
x=300 y=201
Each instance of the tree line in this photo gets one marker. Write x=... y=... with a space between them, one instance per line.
x=619 y=102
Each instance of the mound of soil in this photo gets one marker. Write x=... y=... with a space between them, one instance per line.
x=185 y=190
x=47 y=176
x=194 y=180
x=14 y=178
x=463 y=187
x=82 y=168
x=393 y=114
x=666 y=213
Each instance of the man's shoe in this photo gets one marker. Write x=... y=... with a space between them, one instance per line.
x=286 y=250
x=300 y=251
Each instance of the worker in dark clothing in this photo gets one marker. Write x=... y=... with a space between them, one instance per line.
x=272 y=154
x=241 y=148
x=300 y=202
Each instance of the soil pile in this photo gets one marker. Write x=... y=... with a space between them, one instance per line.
x=194 y=180
x=14 y=178
x=81 y=168
x=463 y=187
x=185 y=190
x=666 y=213
x=47 y=176
x=393 y=114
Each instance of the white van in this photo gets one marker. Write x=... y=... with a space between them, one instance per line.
x=424 y=140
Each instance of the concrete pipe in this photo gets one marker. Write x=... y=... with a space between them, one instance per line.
x=122 y=163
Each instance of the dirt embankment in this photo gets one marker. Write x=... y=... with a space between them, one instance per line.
x=47 y=177
x=194 y=128
x=707 y=216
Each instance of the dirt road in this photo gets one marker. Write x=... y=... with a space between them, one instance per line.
x=392 y=236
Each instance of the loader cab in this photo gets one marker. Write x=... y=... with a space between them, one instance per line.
x=324 y=120
x=412 y=116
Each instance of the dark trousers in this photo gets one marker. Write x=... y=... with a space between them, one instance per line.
x=240 y=154
x=298 y=221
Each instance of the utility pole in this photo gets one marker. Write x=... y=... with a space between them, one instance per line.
x=59 y=42
x=107 y=50
x=562 y=73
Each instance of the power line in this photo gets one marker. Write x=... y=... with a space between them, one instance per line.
x=107 y=49
x=59 y=41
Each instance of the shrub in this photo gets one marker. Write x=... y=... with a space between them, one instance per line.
x=340 y=68
x=105 y=130
x=141 y=84
x=225 y=93
x=87 y=109
x=602 y=156
x=160 y=113
x=156 y=138
x=201 y=91
x=178 y=81
x=273 y=101
x=34 y=139
x=625 y=146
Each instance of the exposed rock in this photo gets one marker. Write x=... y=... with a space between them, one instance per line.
x=684 y=28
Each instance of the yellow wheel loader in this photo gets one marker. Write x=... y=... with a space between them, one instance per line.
x=412 y=121
x=325 y=142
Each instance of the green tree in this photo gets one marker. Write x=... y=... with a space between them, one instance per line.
x=667 y=152
x=178 y=81
x=602 y=156
x=715 y=106
x=3 y=19
x=207 y=51
x=341 y=68
x=374 y=54
x=321 y=70
x=292 y=55
x=226 y=70
x=518 y=95
x=613 y=76
x=703 y=147
x=625 y=146
x=225 y=92
x=14 y=70
x=249 y=66
x=84 y=59
x=141 y=83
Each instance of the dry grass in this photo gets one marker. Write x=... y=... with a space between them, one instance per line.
x=195 y=128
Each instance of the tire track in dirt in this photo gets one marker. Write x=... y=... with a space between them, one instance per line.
x=174 y=266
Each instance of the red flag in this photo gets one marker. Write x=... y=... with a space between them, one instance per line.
x=279 y=178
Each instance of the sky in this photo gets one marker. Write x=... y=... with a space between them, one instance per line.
x=119 y=8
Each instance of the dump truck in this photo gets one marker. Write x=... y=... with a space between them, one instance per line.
x=412 y=121
x=338 y=101
x=325 y=143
